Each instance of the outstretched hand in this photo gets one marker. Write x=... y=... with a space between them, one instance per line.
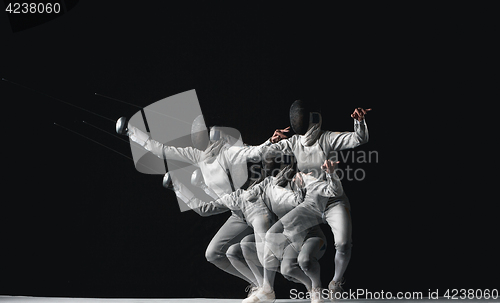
x=359 y=113
x=329 y=166
x=280 y=134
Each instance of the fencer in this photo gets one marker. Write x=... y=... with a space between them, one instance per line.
x=217 y=159
x=247 y=202
x=299 y=264
x=260 y=204
x=298 y=255
x=311 y=146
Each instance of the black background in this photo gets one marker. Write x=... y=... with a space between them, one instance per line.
x=78 y=220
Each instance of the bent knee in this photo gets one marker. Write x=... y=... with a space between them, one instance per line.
x=248 y=239
x=343 y=246
x=248 y=243
x=234 y=252
x=213 y=255
x=248 y=248
x=305 y=262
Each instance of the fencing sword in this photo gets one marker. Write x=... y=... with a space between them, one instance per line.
x=57 y=99
x=81 y=135
x=81 y=108
x=121 y=125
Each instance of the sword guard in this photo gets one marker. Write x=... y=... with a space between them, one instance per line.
x=121 y=126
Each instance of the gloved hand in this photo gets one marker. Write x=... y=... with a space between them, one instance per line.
x=329 y=166
x=137 y=135
x=280 y=134
x=284 y=176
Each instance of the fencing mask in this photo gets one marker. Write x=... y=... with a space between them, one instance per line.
x=199 y=133
x=302 y=118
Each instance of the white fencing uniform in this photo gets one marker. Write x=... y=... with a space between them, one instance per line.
x=297 y=223
x=294 y=263
x=250 y=204
x=311 y=150
x=215 y=163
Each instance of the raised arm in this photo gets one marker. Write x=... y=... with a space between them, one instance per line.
x=246 y=153
x=345 y=140
x=185 y=154
x=284 y=146
x=280 y=134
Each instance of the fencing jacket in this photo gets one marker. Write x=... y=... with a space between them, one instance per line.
x=214 y=166
x=311 y=155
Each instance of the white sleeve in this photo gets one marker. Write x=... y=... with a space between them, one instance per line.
x=137 y=135
x=345 y=140
x=284 y=146
x=201 y=207
x=246 y=153
x=334 y=187
x=162 y=151
x=266 y=143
